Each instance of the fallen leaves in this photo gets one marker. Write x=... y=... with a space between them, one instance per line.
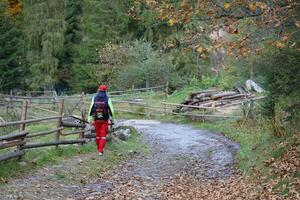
x=238 y=187
x=227 y=6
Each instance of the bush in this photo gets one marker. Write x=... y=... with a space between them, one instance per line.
x=146 y=67
x=281 y=71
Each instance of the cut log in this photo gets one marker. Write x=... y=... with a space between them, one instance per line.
x=52 y=143
x=11 y=155
x=199 y=96
x=207 y=92
x=185 y=109
x=194 y=101
x=72 y=124
x=237 y=96
x=222 y=94
x=209 y=104
x=12 y=143
x=186 y=102
x=13 y=136
x=205 y=99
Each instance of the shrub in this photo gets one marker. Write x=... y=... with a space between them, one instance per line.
x=281 y=72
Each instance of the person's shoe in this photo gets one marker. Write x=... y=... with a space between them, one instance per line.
x=100 y=154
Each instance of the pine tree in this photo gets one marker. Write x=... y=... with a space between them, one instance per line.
x=12 y=61
x=72 y=40
x=102 y=22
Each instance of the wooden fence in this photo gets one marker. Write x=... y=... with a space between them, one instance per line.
x=165 y=108
x=60 y=108
x=16 y=143
x=19 y=141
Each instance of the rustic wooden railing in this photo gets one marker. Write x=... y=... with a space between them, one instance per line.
x=58 y=108
x=16 y=143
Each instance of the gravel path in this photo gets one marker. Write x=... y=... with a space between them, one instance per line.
x=175 y=150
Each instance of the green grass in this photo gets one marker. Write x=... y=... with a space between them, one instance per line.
x=257 y=144
x=182 y=94
x=115 y=152
x=37 y=158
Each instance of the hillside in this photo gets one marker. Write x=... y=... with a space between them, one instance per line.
x=201 y=52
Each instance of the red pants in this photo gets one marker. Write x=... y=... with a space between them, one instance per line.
x=101 y=127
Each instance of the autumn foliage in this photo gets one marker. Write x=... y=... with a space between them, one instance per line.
x=14 y=7
x=279 y=16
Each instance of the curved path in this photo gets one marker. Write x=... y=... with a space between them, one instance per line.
x=175 y=150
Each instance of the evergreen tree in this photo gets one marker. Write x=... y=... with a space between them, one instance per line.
x=72 y=40
x=102 y=22
x=45 y=31
x=12 y=61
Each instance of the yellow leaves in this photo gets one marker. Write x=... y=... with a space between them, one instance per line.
x=172 y=14
x=200 y=49
x=261 y=5
x=253 y=6
x=151 y=3
x=279 y=44
x=172 y=22
x=14 y=7
x=297 y=23
x=227 y=6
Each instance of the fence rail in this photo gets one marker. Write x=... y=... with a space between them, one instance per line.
x=19 y=140
x=21 y=122
x=58 y=106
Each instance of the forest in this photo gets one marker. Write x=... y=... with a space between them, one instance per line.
x=72 y=46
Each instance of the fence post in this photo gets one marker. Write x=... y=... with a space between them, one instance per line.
x=22 y=126
x=165 y=108
x=24 y=114
x=132 y=89
x=59 y=120
x=83 y=114
x=54 y=95
x=167 y=89
x=9 y=103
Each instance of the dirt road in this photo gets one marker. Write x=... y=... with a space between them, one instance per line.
x=176 y=150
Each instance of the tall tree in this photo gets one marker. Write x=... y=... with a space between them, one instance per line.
x=12 y=58
x=45 y=31
x=72 y=40
x=102 y=22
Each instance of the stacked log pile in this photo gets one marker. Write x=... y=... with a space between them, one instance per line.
x=215 y=98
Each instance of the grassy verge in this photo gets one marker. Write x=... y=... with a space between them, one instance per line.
x=37 y=158
x=266 y=159
x=115 y=153
x=269 y=160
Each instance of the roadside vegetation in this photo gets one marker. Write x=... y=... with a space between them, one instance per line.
x=115 y=152
x=72 y=46
x=263 y=156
